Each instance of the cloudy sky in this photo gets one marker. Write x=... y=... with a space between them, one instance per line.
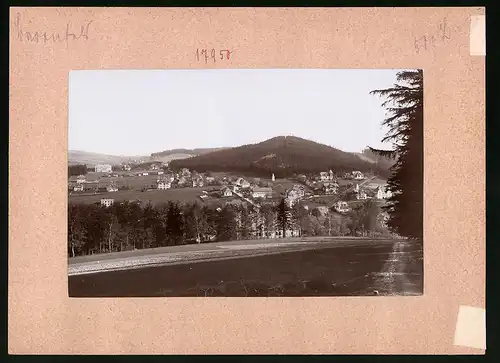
x=138 y=112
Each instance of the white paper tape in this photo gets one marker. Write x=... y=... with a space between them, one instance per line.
x=477 y=36
x=470 y=330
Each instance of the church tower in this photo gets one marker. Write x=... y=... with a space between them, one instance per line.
x=273 y=178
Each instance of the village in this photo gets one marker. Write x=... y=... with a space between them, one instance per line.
x=321 y=193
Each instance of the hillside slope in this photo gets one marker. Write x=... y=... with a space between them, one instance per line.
x=373 y=158
x=283 y=155
x=183 y=153
x=90 y=159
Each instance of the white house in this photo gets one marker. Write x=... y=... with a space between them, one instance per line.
x=361 y=194
x=357 y=175
x=341 y=207
x=242 y=183
x=326 y=176
x=330 y=188
x=81 y=179
x=383 y=192
x=107 y=202
x=226 y=192
x=103 y=168
x=262 y=193
x=111 y=188
x=78 y=188
x=164 y=184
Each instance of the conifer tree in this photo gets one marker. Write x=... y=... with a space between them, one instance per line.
x=283 y=216
x=404 y=121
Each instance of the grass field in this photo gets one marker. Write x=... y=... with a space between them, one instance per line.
x=340 y=271
x=153 y=196
x=134 y=182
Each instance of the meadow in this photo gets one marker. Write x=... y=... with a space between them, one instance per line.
x=351 y=270
x=123 y=180
x=153 y=196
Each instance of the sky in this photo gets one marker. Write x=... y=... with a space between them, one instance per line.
x=139 y=112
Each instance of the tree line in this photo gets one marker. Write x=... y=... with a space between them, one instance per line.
x=83 y=169
x=126 y=226
x=79 y=169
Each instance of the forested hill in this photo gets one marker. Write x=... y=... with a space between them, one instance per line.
x=282 y=155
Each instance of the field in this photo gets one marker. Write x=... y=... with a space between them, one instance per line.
x=153 y=196
x=133 y=182
x=341 y=271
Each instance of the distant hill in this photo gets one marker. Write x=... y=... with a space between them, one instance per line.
x=170 y=157
x=282 y=155
x=183 y=153
x=371 y=157
x=91 y=159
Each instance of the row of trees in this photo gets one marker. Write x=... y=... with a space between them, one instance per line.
x=82 y=169
x=255 y=170
x=125 y=226
x=79 y=169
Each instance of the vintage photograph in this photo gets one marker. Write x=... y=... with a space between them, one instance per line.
x=245 y=182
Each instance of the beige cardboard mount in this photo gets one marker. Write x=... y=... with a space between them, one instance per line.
x=46 y=43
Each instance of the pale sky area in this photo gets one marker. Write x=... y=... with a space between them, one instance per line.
x=138 y=112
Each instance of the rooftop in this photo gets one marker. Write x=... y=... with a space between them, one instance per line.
x=263 y=189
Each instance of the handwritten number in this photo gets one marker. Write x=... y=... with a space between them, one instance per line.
x=204 y=52
x=213 y=54
x=442 y=28
x=432 y=40
x=417 y=43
